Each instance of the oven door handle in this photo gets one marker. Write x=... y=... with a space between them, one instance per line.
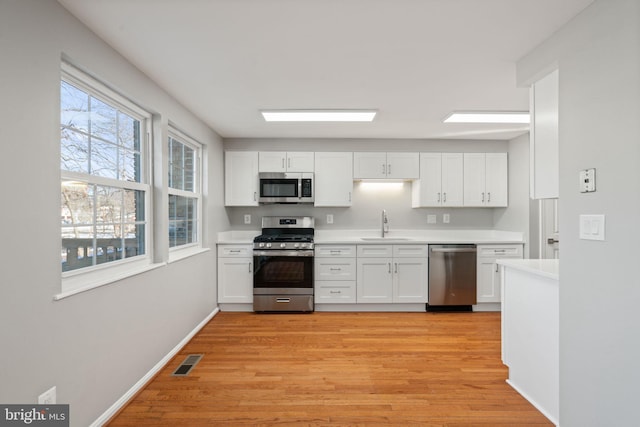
x=307 y=253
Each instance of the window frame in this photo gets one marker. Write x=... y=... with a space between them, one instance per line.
x=89 y=277
x=179 y=251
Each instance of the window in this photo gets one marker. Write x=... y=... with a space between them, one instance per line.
x=184 y=191
x=105 y=191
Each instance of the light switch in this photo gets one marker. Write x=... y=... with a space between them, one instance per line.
x=592 y=227
x=247 y=219
x=446 y=218
x=431 y=219
x=329 y=218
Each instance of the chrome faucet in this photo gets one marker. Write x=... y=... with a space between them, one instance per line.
x=385 y=223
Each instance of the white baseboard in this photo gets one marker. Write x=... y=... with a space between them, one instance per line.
x=120 y=403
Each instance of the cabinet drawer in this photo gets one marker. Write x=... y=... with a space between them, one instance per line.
x=498 y=251
x=410 y=251
x=341 y=292
x=227 y=251
x=335 y=268
x=322 y=251
x=375 y=251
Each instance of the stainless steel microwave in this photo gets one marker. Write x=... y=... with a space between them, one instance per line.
x=286 y=187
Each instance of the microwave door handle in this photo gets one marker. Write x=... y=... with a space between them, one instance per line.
x=300 y=188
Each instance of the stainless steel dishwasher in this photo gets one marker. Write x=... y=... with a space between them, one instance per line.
x=452 y=277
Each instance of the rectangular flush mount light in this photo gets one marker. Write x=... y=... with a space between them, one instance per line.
x=318 y=115
x=517 y=117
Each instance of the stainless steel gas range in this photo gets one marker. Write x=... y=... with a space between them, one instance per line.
x=283 y=265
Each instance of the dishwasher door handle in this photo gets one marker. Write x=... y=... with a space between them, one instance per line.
x=453 y=250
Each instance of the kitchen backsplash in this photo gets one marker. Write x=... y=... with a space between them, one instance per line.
x=366 y=212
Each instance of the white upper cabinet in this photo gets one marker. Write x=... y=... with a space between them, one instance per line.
x=441 y=180
x=241 y=178
x=280 y=161
x=545 y=166
x=485 y=179
x=393 y=165
x=333 y=179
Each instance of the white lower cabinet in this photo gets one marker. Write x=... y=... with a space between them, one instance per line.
x=335 y=274
x=392 y=274
x=488 y=275
x=235 y=274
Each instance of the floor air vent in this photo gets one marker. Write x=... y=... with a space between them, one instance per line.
x=189 y=363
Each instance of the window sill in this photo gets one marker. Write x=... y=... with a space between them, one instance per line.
x=85 y=282
x=181 y=254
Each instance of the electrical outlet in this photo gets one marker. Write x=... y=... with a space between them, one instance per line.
x=588 y=180
x=48 y=397
x=247 y=219
x=446 y=218
x=431 y=219
x=329 y=219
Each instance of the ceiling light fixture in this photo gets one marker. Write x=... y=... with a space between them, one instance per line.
x=318 y=115
x=516 y=117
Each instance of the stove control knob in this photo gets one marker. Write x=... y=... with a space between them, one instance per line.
x=261 y=245
x=297 y=245
x=283 y=245
x=268 y=245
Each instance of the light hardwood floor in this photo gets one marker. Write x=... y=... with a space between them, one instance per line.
x=338 y=369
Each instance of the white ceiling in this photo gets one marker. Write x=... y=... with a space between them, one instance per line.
x=414 y=61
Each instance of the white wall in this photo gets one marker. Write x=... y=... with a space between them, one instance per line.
x=598 y=55
x=367 y=206
x=516 y=216
x=95 y=345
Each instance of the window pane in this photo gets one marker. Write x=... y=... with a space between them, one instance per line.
x=128 y=131
x=130 y=166
x=77 y=248
x=74 y=151
x=76 y=203
x=182 y=220
x=134 y=239
x=103 y=120
x=189 y=169
x=109 y=205
x=74 y=107
x=104 y=159
x=133 y=206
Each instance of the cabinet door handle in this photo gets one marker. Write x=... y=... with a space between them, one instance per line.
x=249 y=267
x=384 y=169
x=283 y=163
x=497 y=268
x=489 y=197
x=288 y=163
x=335 y=292
x=255 y=195
x=444 y=197
x=389 y=268
x=335 y=269
x=389 y=169
x=396 y=267
x=438 y=197
x=482 y=197
x=349 y=195
x=551 y=241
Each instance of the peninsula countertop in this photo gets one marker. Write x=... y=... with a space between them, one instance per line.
x=549 y=268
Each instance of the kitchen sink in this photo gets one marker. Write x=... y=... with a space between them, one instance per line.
x=383 y=239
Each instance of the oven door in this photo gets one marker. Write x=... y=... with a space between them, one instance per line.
x=282 y=272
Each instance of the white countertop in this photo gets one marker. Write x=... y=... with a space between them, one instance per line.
x=549 y=268
x=353 y=237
